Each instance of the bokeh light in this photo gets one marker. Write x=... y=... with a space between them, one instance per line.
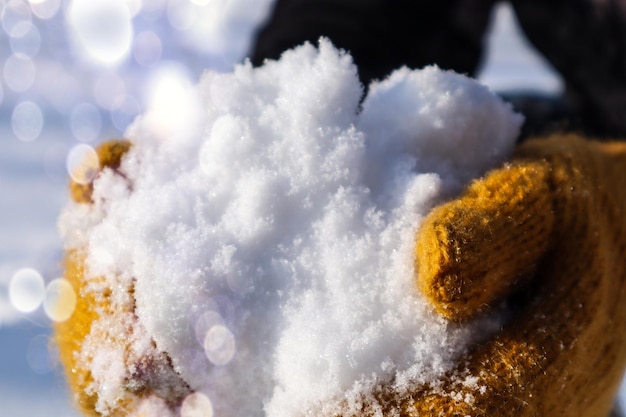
x=19 y=72
x=219 y=345
x=170 y=99
x=39 y=355
x=147 y=49
x=134 y=6
x=103 y=28
x=45 y=9
x=86 y=122
x=60 y=300
x=206 y=322
x=181 y=15
x=125 y=110
x=14 y=13
x=29 y=41
x=83 y=164
x=26 y=290
x=196 y=405
x=54 y=163
x=209 y=30
x=154 y=7
x=58 y=87
x=27 y=121
x=108 y=89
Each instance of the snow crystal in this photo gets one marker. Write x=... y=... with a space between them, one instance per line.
x=269 y=235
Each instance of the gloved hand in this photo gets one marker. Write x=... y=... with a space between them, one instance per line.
x=548 y=231
x=151 y=374
x=545 y=234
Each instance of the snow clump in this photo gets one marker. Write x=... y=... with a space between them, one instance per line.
x=268 y=234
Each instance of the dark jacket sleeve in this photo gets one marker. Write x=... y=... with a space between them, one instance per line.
x=585 y=40
x=381 y=35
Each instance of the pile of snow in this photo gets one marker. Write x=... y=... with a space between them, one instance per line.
x=269 y=230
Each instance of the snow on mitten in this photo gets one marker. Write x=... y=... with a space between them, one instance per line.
x=152 y=373
x=543 y=230
x=547 y=230
x=108 y=155
x=254 y=255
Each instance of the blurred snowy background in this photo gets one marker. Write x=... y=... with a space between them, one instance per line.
x=75 y=72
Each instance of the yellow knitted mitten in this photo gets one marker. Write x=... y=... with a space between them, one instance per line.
x=546 y=232
x=551 y=228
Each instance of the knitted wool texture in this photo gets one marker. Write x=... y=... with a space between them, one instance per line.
x=553 y=222
x=545 y=232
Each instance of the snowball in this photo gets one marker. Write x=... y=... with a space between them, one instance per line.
x=269 y=241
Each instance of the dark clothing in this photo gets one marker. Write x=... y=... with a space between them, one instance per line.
x=381 y=35
x=585 y=40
